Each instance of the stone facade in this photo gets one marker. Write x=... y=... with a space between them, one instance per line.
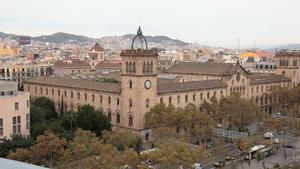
x=125 y=103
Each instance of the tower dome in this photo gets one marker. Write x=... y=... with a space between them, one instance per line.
x=139 y=41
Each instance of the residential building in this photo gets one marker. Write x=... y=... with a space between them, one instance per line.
x=15 y=110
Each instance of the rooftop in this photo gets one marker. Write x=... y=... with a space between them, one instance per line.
x=259 y=78
x=71 y=64
x=216 y=69
x=97 y=47
x=189 y=86
x=74 y=83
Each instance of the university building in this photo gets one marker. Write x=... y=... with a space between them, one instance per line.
x=125 y=103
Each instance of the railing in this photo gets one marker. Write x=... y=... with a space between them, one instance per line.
x=230 y=134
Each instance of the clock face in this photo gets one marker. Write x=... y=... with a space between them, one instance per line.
x=147 y=84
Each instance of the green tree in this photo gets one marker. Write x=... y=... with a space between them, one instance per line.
x=47 y=105
x=238 y=111
x=17 y=141
x=48 y=149
x=88 y=118
x=121 y=139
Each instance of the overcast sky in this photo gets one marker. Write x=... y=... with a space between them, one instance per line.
x=208 y=22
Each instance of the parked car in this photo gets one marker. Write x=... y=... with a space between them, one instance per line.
x=268 y=135
x=219 y=164
x=197 y=166
x=229 y=158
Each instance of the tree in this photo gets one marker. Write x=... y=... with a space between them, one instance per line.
x=47 y=105
x=238 y=111
x=84 y=144
x=130 y=158
x=121 y=139
x=39 y=128
x=170 y=155
x=17 y=141
x=166 y=123
x=88 y=118
x=47 y=151
x=86 y=150
x=213 y=109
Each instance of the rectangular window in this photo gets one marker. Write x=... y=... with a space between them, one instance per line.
x=65 y=93
x=85 y=97
x=27 y=121
x=16 y=106
x=27 y=103
x=101 y=99
x=78 y=95
x=93 y=97
x=295 y=63
x=1 y=127
x=52 y=91
x=178 y=99
x=186 y=98
x=118 y=101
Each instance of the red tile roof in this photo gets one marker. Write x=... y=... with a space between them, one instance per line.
x=97 y=48
x=107 y=65
x=71 y=64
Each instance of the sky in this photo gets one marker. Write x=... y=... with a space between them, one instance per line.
x=257 y=23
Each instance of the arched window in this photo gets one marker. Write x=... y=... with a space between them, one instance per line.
x=147 y=102
x=151 y=67
x=194 y=97
x=144 y=68
x=130 y=102
x=109 y=116
x=71 y=94
x=109 y=100
x=133 y=69
x=170 y=100
x=201 y=96
x=207 y=95
x=118 y=119
x=130 y=120
x=130 y=84
x=127 y=67
x=147 y=137
x=186 y=98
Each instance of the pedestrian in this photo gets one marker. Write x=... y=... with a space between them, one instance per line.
x=264 y=165
x=249 y=162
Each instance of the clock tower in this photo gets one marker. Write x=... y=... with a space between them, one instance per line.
x=138 y=83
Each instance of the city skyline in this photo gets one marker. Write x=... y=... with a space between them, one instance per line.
x=211 y=23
